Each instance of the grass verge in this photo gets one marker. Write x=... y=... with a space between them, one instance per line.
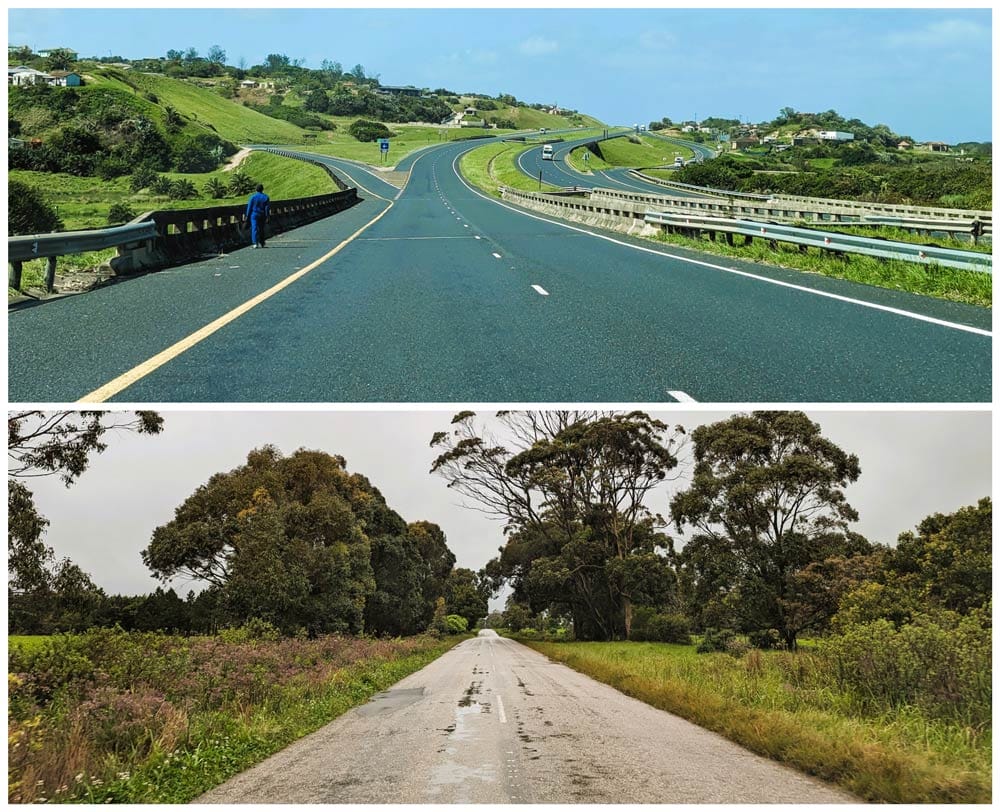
x=786 y=707
x=495 y=165
x=951 y=284
x=161 y=719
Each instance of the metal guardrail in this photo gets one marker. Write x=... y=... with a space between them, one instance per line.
x=175 y=234
x=793 y=210
x=50 y=246
x=830 y=241
x=935 y=218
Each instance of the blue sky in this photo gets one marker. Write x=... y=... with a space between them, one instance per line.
x=925 y=73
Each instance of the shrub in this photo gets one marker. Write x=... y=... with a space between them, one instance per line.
x=767 y=639
x=241 y=183
x=111 y=167
x=128 y=723
x=215 y=188
x=666 y=627
x=715 y=640
x=456 y=624
x=182 y=189
x=142 y=178
x=941 y=663
x=529 y=634
x=253 y=630
x=161 y=185
x=28 y=212
x=120 y=213
x=364 y=130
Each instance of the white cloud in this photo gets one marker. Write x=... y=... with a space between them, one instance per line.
x=943 y=34
x=538 y=46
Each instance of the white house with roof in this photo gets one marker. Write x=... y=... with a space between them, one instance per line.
x=23 y=75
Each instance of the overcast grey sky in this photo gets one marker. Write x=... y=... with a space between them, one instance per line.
x=913 y=464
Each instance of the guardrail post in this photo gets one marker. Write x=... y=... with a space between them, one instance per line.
x=14 y=277
x=50 y=274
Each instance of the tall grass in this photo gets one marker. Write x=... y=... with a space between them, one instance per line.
x=952 y=284
x=790 y=707
x=110 y=716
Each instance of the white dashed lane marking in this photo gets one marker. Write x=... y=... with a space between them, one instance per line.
x=540 y=290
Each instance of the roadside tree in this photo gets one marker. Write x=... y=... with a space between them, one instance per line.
x=767 y=498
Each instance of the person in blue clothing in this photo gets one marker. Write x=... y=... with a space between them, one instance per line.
x=258 y=211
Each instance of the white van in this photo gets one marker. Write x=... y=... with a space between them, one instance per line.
x=547 y=152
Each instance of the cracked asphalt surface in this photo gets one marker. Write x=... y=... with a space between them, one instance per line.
x=492 y=721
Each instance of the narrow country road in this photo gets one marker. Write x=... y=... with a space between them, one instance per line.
x=492 y=721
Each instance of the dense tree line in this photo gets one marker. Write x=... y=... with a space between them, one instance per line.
x=300 y=542
x=765 y=548
x=294 y=541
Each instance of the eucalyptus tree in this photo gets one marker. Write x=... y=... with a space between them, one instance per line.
x=766 y=502
x=572 y=488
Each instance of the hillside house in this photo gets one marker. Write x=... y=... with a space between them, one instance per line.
x=935 y=146
x=66 y=78
x=834 y=135
x=904 y=145
x=47 y=52
x=23 y=75
x=396 y=90
x=745 y=143
x=470 y=111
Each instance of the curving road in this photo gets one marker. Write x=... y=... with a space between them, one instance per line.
x=437 y=293
x=492 y=721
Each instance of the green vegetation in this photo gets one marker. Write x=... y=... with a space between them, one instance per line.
x=624 y=151
x=495 y=165
x=952 y=284
x=204 y=106
x=911 y=180
x=791 y=707
x=84 y=202
x=116 y=717
x=297 y=542
x=26 y=642
x=892 y=699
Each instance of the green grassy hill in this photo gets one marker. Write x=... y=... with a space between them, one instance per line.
x=622 y=152
x=207 y=108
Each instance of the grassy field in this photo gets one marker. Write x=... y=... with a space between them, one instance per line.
x=617 y=152
x=494 y=165
x=407 y=139
x=785 y=706
x=116 y=717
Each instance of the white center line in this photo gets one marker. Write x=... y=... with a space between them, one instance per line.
x=500 y=713
x=541 y=290
x=496 y=255
x=681 y=397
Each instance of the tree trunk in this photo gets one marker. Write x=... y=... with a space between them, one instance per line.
x=627 y=606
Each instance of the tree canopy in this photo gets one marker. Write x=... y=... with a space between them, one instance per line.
x=572 y=488
x=766 y=503
x=301 y=542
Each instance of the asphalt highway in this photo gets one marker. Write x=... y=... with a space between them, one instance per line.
x=446 y=295
x=492 y=721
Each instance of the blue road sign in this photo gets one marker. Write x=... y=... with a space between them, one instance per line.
x=383 y=144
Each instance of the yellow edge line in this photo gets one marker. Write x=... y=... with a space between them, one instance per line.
x=125 y=380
